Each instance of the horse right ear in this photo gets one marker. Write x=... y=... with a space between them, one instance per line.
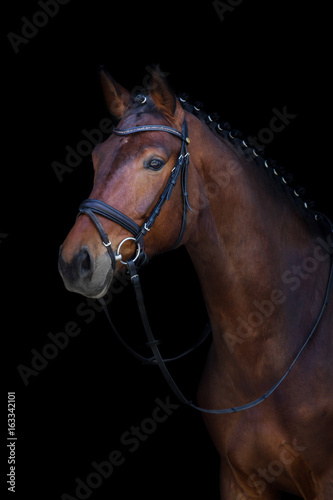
x=116 y=97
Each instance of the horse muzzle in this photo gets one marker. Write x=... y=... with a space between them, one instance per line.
x=85 y=274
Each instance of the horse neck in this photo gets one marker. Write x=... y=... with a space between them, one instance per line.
x=248 y=244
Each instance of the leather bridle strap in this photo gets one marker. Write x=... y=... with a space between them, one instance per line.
x=104 y=237
x=101 y=208
x=152 y=342
x=152 y=128
x=151 y=360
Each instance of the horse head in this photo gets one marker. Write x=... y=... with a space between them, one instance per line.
x=134 y=168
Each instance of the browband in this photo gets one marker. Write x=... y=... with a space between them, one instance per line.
x=152 y=128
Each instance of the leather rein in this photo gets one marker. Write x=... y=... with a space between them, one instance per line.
x=90 y=207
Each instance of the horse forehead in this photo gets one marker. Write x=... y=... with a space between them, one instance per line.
x=113 y=158
x=112 y=148
x=119 y=149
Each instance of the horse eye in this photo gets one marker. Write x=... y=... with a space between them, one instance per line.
x=155 y=164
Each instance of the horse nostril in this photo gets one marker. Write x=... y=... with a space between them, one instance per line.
x=79 y=271
x=85 y=263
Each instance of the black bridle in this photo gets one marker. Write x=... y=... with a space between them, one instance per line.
x=91 y=207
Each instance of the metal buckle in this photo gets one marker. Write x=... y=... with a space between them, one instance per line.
x=118 y=254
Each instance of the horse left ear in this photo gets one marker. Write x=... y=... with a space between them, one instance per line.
x=163 y=95
x=116 y=97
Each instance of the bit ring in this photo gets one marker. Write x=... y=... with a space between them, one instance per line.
x=118 y=254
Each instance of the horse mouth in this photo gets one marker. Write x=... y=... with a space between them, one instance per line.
x=91 y=292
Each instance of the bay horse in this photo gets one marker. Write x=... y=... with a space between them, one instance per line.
x=169 y=175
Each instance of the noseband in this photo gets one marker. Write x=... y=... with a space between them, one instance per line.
x=91 y=207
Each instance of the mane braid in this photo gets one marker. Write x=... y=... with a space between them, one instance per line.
x=253 y=154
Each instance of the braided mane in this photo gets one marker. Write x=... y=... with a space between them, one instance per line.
x=252 y=153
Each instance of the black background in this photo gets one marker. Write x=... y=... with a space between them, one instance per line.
x=263 y=55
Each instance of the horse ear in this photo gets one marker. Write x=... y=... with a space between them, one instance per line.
x=116 y=97
x=162 y=93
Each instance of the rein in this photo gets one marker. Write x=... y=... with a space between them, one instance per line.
x=91 y=207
